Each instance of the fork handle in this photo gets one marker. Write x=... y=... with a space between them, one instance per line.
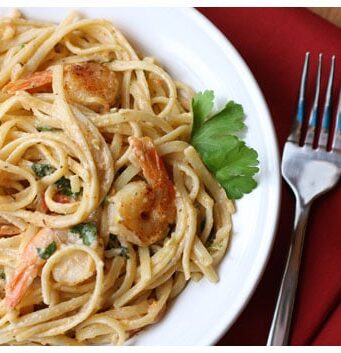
x=280 y=326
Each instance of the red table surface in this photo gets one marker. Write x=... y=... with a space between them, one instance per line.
x=273 y=42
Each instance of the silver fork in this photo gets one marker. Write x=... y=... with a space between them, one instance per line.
x=310 y=172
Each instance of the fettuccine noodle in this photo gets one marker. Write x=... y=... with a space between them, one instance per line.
x=97 y=286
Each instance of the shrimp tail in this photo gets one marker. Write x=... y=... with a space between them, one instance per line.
x=146 y=208
x=41 y=204
x=151 y=164
x=29 y=266
x=19 y=284
x=36 y=82
x=156 y=175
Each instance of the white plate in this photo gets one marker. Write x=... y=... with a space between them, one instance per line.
x=195 y=52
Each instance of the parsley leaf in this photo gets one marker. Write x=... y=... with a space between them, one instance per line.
x=46 y=253
x=229 y=120
x=87 y=231
x=241 y=160
x=42 y=170
x=233 y=163
x=202 y=104
x=64 y=187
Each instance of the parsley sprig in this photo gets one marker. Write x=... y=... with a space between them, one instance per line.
x=214 y=136
x=63 y=184
x=64 y=187
x=42 y=170
x=48 y=251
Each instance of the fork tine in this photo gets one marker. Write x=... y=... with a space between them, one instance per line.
x=296 y=130
x=337 y=133
x=309 y=139
x=327 y=111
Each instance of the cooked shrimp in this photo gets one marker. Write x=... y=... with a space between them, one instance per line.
x=30 y=264
x=146 y=209
x=91 y=84
x=30 y=83
x=60 y=198
x=74 y=269
x=41 y=203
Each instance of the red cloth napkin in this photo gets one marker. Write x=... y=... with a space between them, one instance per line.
x=273 y=42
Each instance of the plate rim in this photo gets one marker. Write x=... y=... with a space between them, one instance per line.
x=227 y=47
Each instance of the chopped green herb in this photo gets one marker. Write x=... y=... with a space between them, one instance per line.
x=46 y=128
x=120 y=250
x=2 y=274
x=215 y=247
x=42 y=170
x=87 y=232
x=232 y=162
x=64 y=186
x=202 y=105
x=210 y=245
x=210 y=240
x=22 y=46
x=124 y=252
x=46 y=253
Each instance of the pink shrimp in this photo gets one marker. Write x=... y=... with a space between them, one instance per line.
x=91 y=84
x=30 y=83
x=146 y=209
x=31 y=261
x=41 y=204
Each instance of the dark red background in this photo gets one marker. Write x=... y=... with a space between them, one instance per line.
x=273 y=42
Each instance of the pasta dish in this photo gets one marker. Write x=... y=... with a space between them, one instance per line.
x=107 y=209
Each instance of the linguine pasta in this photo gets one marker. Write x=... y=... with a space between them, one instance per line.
x=63 y=163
